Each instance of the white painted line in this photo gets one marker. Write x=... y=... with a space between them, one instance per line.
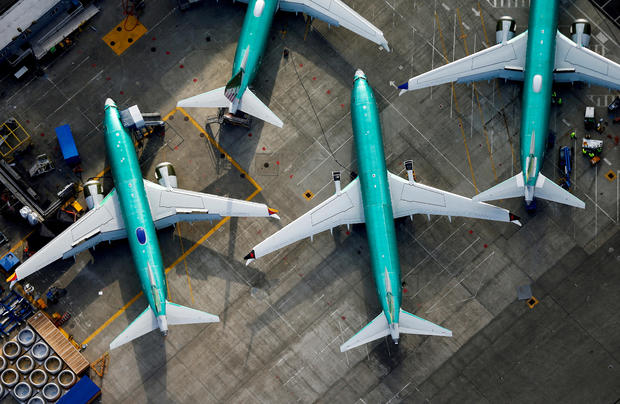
x=445 y=6
x=607 y=161
x=566 y=122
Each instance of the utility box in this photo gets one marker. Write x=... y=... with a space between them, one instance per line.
x=67 y=145
x=9 y=262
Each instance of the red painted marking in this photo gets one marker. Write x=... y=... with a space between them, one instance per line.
x=348 y=232
x=405 y=290
x=314 y=78
x=195 y=80
x=27 y=121
x=152 y=39
x=176 y=147
x=167 y=52
x=300 y=275
x=486 y=245
x=264 y=148
x=94 y=65
x=108 y=78
x=181 y=66
x=42 y=134
x=291 y=176
x=301 y=65
x=249 y=135
x=343 y=317
x=277 y=163
x=341 y=105
x=471 y=232
x=259 y=232
x=122 y=92
x=329 y=91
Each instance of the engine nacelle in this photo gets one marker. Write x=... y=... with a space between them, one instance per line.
x=505 y=29
x=165 y=174
x=580 y=32
x=93 y=193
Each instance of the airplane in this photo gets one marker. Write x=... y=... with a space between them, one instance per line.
x=252 y=42
x=537 y=57
x=376 y=197
x=135 y=209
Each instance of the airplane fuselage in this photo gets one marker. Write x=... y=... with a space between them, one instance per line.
x=373 y=177
x=253 y=39
x=136 y=212
x=537 y=87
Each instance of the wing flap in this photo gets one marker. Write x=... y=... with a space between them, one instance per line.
x=415 y=198
x=336 y=13
x=345 y=207
x=576 y=63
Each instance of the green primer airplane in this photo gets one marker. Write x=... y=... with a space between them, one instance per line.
x=252 y=43
x=376 y=197
x=134 y=209
x=537 y=57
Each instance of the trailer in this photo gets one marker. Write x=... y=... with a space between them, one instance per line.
x=67 y=145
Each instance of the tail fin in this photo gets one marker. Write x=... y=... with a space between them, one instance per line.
x=547 y=189
x=144 y=323
x=178 y=314
x=210 y=99
x=379 y=328
x=544 y=189
x=147 y=322
x=218 y=98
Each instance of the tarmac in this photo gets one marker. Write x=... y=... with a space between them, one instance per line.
x=284 y=316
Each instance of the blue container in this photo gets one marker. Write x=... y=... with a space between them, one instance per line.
x=67 y=145
x=9 y=262
x=84 y=391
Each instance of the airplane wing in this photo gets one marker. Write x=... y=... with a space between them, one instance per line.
x=505 y=60
x=173 y=205
x=345 y=207
x=410 y=198
x=103 y=223
x=335 y=12
x=577 y=63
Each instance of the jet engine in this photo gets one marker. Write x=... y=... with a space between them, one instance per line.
x=580 y=32
x=93 y=193
x=165 y=174
x=505 y=29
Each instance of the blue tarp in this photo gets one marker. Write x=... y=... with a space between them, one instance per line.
x=67 y=144
x=9 y=261
x=82 y=392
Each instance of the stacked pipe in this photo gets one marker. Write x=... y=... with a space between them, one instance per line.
x=31 y=371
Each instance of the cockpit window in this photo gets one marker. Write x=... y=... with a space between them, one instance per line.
x=141 y=235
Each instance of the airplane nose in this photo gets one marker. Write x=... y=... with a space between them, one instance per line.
x=109 y=103
x=359 y=73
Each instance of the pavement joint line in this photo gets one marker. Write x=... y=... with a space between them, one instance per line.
x=456 y=107
x=425 y=138
x=197 y=243
x=432 y=308
x=324 y=160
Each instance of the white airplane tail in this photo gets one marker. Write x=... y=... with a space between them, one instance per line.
x=147 y=322
x=219 y=98
x=544 y=189
x=379 y=328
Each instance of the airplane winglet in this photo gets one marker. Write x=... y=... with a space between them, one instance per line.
x=514 y=219
x=12 y=278
x=250 y=257
x=273 y=213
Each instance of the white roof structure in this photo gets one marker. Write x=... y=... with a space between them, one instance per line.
x=21 y=15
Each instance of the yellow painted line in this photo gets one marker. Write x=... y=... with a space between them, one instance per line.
x=114 y=317
x=184 y=255
x=484 y=128
x=216 y=144
x=189 y=282
x=484 y=29
x=125 y=34
x=456 y=107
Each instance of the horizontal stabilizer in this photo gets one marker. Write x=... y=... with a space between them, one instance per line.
x=408 y=324
x=377 y=328
x=549 y=190
x=177 y=314
x=412 y=324
x=210 y=99
x=145 y=323
x=255 y=107
x=511 y=188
